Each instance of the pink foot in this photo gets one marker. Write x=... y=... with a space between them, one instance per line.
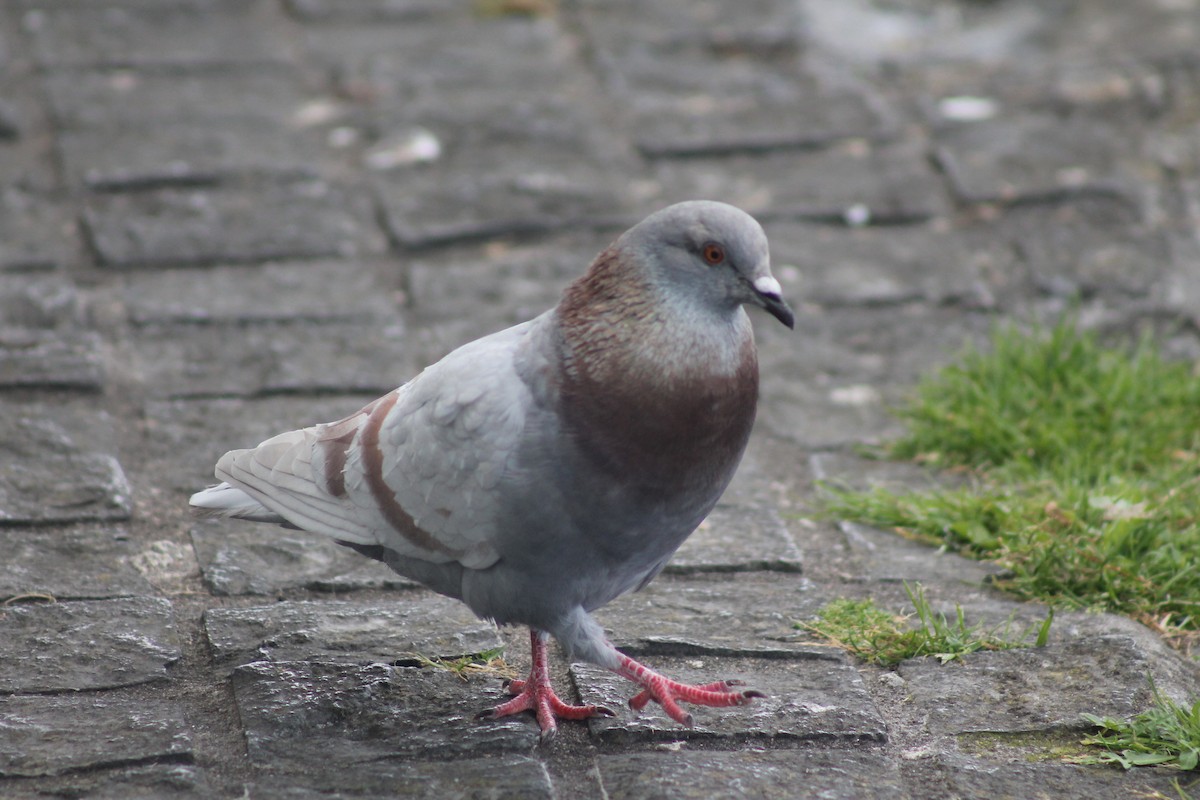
x=535 y=694
x=668 y=693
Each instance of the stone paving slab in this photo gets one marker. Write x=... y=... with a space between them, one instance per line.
x=186 y=154
x=312 y=291
x=301 y=714
x=836 y=775
x=971 y=779
x=83 y=562
x=59 y=469
x=1044 y=688
x=89 y=644
x=154 y=782
x=104 y=728
x=123 y=98
x=186 y=437
x=496 y=778
x=853 y=180
x=204 y=361
x=276 y=221
x=718 y=615
x=35 y=235
x=807 y=700
x=134 y=33
x=242 y=558
x=400 y=631
x=738 y=538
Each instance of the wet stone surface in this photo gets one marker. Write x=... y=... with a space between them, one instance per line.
x=500 y=777
x=837 y=775
x=404 y=629
x=92 y=644
x=811 y=700
x=717 y=615
x=1042 y=688
x=82 y=562
x=241 y=558
x=105 y=729
x=297 y=714
x=60 y=469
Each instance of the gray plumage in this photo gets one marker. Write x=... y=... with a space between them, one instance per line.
x=540 y=472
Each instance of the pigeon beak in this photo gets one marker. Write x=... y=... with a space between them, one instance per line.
x=770 y=297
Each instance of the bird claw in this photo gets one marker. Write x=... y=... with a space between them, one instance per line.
x=668 y=693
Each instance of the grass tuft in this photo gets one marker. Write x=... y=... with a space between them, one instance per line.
x=1165 y=734
x=1085 y=473
x=489 y=662
x=879 y=637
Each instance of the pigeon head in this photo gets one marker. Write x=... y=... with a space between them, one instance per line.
x=710 y=254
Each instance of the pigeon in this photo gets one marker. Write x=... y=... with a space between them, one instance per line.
x=540 y=472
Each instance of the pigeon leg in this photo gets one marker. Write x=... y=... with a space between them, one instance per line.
x=668 y=693
x=535 y=694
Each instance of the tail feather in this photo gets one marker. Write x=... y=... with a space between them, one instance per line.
x=224 y=500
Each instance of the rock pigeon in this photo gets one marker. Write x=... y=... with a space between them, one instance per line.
x=540 y=472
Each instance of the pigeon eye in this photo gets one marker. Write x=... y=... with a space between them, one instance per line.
x=713 y=253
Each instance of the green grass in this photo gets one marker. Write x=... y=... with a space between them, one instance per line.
x=879 y=637
x=1083 y=472
x=1165 y=734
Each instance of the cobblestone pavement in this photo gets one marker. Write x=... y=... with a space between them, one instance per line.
x=220 y=218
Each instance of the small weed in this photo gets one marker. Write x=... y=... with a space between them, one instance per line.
x=878 y=637
x=489 y=662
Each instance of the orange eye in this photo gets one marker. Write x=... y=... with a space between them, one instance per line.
x=713 y=253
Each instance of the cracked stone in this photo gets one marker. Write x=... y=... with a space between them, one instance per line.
x=91 y=644
x=396 y=631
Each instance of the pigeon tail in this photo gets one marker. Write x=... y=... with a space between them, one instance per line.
x=225 y=501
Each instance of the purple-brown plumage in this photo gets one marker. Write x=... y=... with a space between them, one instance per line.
x=540 y=472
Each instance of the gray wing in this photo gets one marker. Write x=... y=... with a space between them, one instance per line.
x=417 y=471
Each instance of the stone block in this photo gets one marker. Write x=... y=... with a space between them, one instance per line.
x=738 y=538
x=187 y=154
x=59 y=466
x=104 y=729
x=184 y=438
x=177 y=34
x=855 y=181
x=399 y=630
x=496 y=778
x=244 y=558
x=307 y=716
x=278 y=221
x=89 y=644
x=718 y=615
x=311 y=291
x=806 y=700
x=1046 y=688
x=81 y=562
x=704 y=774
x=286 y=358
